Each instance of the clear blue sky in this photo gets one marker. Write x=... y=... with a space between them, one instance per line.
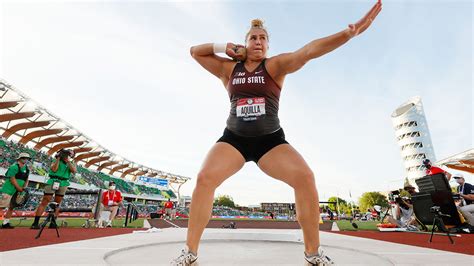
x=121 y=73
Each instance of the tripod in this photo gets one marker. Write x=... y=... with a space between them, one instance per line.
x=382 y=217
x=50 y=219
x=438 y=222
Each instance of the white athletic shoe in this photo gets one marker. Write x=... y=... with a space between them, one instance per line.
x=109 y=224
x=187 y=258
x=318 y=260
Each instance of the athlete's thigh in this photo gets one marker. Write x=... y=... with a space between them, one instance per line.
x=222 y=161
x=285 y=163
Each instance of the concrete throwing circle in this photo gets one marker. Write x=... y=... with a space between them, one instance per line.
x=238 y=252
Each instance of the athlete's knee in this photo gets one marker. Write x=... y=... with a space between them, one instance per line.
x=304 y=178
x=205 y=179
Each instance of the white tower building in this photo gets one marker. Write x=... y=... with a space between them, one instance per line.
x=413 y=137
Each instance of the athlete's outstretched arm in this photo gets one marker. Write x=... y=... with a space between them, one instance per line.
x=218 y=66
x=290 y=62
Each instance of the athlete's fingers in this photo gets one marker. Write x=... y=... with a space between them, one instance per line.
x=231 y=52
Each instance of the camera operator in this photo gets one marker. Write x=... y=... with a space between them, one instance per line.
x=466 y=191
x=17 y=181
x=404 y=209
x=432 y=170
x=57 y=184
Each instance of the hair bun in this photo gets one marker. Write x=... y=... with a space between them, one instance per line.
x=256 y=23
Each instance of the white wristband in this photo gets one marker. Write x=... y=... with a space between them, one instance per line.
x=219 y=47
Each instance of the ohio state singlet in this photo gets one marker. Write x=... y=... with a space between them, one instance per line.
x=254 y=98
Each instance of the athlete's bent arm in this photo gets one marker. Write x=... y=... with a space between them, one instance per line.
x=290 y=62
x=218 y=66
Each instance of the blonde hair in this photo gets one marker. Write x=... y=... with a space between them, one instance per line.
x=256 y=24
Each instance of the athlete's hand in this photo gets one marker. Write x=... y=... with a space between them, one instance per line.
x=236 y=51
x=20 y=189
x=361 y=25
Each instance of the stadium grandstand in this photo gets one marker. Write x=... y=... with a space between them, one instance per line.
x=26 y=126
x=463 y=161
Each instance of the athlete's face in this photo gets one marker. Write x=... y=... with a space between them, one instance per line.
x=257 y=44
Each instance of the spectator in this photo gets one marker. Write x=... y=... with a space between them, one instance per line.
x=111 y=200
x=330 y=213
x=272 y=216
x=466 y=191
x=373 y=214
x=169 y=209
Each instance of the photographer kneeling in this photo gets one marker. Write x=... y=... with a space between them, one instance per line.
x=57 y=184
x=405 y=212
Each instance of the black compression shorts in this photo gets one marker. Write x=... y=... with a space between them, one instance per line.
x=253 y=148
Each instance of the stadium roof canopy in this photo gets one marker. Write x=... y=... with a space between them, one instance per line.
x=22 y=119
x=463 y=161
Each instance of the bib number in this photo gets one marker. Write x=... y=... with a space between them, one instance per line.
x=249 y=109
x=55 y=185
x=111 y=202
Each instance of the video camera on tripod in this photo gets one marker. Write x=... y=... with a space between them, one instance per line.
x=50 y=219
x=437 y=211
x=434 y=204
x=52 y=206
x=394 y=195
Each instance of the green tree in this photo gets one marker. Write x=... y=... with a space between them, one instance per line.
x=347 y=209
x=333 y=207
x=224 y=200
x=369 y=199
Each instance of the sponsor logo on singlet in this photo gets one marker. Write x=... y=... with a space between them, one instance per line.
x=249 y=109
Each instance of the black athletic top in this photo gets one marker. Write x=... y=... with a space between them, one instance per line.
x=254 y=98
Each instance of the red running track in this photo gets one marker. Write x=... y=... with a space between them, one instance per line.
x=18 y=238
x=463 y=244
